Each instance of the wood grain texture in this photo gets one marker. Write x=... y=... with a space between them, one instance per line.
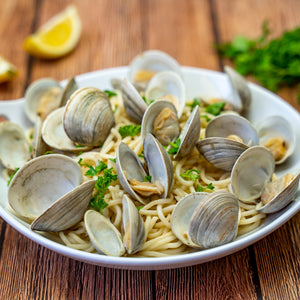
x=114 y=31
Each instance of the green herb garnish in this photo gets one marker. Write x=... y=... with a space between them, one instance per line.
x=12 y=176
x=110 y=93
x=93 y=171
x=79 y=146
x=273 y=62
x=194 y=104
x=113 y=159
x=142 y=154
x=139 y=208
x=48 y=152
x=129 y=130
x=101 y=186
x=215 y=108
x=200 y=188
x=147 y=178
x=30 y=148
x=207 y=118
x=192 y=174
x=174 y=146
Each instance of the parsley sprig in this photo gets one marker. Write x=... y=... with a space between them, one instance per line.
x=200 y=188
x=93 y=171
x=192 y=174
x=215 y=108
x=12 y=176
x=129 y=130
x=273 y=62
x=174 y=146
x=110 y=93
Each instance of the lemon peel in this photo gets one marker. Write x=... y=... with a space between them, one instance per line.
x=57 y=37
x=7 y=70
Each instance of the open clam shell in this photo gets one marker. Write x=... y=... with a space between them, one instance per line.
x=129 y=167
x=215 y=220
x=39 y=146
x=103 y=234
x=231 y=124
x=145 y=65
x=241 y=95
x=169 y=86
x=54 y=135
x=284 y=194
x=221 y=152
x=41 y=97
x=133 y=226
x=276 y=133
x=69 y=89
x=41 y=182
x=251 y=173
x=189 y=134
x=160 y=119
x=159 y=163
x=134 y=105
x=14 y=147
x=182 y=215
x=88 y=117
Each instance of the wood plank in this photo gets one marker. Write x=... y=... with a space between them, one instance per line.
x=13 y=31
x=246 y=18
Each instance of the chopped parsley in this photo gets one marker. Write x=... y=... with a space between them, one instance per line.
x=129 y=130
x=30 y=148
x=48 y=152
x=206 y=117
x=101 y=186
x=139 y=208
x=79 y=146
x=215 y=108
x=113 y=160
x=110 y=93
x=273 y=62
x=200 y=188
x=194 y=104
x=12 y=176
x=174 y=146
x=93 y=171
x=142 y=154
x=147 y=178
x=192 y=174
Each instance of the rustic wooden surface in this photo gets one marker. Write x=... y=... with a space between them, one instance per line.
x=113 y=33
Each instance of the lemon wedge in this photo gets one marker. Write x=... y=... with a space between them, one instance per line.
x=7 y=70
x=57 y=37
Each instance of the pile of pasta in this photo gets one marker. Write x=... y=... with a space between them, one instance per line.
x=160 y=240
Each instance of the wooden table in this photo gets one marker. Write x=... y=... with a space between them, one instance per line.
x=113 y=33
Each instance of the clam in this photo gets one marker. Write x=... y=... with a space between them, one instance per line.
x=276 y=134
x=134 y=104
x=161 y=120
x=69 y=89
x=251 y=173
x=41 y=97
x=103 y=234
x=133 y=226
x=14 y=147
x=169 y=86
x=54 y=135
x=48 y=189
x=204 y=220
x=39 y=146
x=241 y=95
x=88 y=117
x=144 y=66
x=132 y=174
x=226 y=137
x=190 y=134
x=279 y=193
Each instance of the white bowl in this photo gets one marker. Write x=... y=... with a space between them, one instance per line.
x=199 y=83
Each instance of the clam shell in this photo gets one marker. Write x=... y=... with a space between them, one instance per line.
x=167 y=84
x=221 y=152
x=103 y=234
x=277 y=126
x=283 y=198
x=251 y=172
x=215 y=220
x=66 y=211
x=14 y=147
x=39 y=146
x=34 y=94
x=41 y=182
x=170 y=133
x=241 y=93
x=228 y=124
x=128 y=167
x=190 y=134
x=133 y=226
x=69 y=89
x=154 y=61
x=54 y=135
x=159 y=163
x=182 y=215
x=88 y=117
